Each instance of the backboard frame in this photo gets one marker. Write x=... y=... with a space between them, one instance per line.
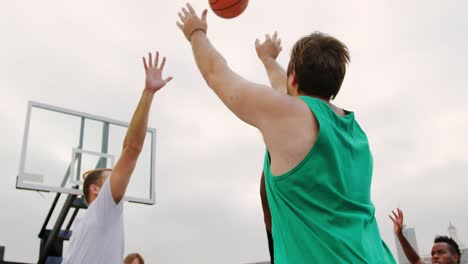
x=31 y=186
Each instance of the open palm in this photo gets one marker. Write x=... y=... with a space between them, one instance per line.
x=397 y=220
x=270 y=48
x=154 y=80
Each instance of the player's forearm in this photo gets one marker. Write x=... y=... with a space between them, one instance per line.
x=219 y=77
x=132 y=146
x=410 y=253
x=276 y=74
x=135 y=137
x=209 y=61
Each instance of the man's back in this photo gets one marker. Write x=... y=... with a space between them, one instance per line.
x=321 y=209
x=310 y=219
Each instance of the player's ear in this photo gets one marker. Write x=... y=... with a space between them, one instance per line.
x=292 y=83
x=293 y=78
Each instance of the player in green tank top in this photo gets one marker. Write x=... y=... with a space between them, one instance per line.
x=318 y=166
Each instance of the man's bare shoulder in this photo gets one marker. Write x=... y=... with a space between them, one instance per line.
x=290 y=139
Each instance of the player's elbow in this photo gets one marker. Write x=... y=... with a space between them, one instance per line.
x=132 y=149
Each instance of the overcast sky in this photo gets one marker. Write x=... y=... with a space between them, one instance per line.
x=407 y=83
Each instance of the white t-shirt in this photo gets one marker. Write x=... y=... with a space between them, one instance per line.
x=98 y=237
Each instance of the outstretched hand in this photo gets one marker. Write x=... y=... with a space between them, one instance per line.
x=270 y=48
x=154 y=81
x=397 y=220
x=191 y=23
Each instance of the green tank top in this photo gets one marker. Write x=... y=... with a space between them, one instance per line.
x=321 y=210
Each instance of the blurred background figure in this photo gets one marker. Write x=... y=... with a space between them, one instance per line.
x=134 y=258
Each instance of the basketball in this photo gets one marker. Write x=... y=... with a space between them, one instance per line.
x=228 y=8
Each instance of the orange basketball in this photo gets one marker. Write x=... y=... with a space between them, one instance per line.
x=228 y=8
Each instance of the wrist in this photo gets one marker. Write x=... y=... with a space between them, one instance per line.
x=195 y=32
x=149 y=92
x=268 y=61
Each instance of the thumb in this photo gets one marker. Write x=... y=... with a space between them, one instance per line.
x=203 y=16
x=168 y=79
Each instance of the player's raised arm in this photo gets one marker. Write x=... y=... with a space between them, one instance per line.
x=135 y=137
x=410 y=253
x=267 y=52
x=253 y=103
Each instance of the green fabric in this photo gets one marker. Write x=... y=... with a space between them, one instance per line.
x=321 y=210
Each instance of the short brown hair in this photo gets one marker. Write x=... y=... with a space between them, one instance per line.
x=91 y=177
x=319 y=61
x=131 y=257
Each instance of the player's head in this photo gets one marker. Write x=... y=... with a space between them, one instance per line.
x=93 y=181
x=134 y=258
x=317 y=66
x=445 y=251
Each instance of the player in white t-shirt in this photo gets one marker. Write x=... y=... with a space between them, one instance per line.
x=98 y=237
